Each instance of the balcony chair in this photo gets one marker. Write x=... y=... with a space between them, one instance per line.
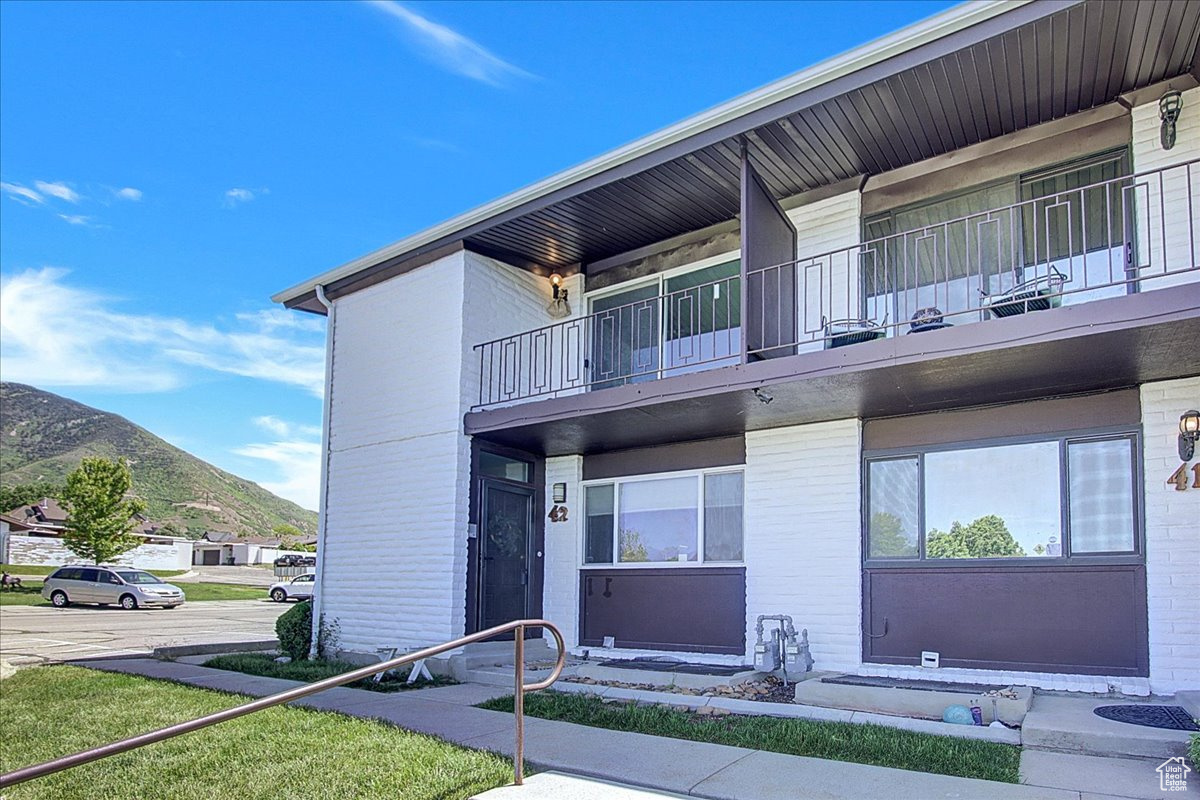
x=843 y=332
x=1036 y=294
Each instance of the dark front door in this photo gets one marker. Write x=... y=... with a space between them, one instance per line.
x=507 y=517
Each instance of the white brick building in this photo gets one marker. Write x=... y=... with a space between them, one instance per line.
x=904 y=362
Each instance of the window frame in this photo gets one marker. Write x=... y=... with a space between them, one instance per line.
x=1063 y=439
x=700 y=562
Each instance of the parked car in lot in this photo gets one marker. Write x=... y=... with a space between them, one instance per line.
x=298 y=588
x=127 y=587
x=293 y=560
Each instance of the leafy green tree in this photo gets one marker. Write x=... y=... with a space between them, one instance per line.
x=27 y=494
x=100 y=515
x=986 y=537
x=631 y=546
x=887 y=536
x=285 y=531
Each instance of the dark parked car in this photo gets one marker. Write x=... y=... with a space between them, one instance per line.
x=290 y=560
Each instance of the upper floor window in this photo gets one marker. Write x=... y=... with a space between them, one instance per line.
x=689 y=518
x=675 y=322
x=1072 y=220
x=1053 y=498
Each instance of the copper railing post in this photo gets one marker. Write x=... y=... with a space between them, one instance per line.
x=519 y=703
x=171 y=731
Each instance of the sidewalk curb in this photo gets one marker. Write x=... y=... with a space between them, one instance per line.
x=175 y=651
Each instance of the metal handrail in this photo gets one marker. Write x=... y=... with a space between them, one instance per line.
x=171 y=731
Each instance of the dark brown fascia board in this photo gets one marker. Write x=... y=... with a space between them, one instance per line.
x=1147 y=94
x=930 y=51
x=594 y=267
x=376 y=274
x=1178 y=303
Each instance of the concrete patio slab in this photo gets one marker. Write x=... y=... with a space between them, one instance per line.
x=910 y=702
x=1122 y=777
x=672 y=765
x=773 y=776
x=560 y=786
x=1068 y=724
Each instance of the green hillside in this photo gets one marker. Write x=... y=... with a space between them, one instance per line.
x=44 y=436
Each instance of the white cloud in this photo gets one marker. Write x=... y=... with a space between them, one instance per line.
x=298 y=465
x=55 y=334
x=236 y=196
x=22 y=194
x=284 y=428
x=76 y=219
x=128 y=193
x=450 y=49
x=58 y=189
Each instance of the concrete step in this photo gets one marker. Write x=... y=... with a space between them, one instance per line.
x=908 y=702
x=561 y=786
x=1109 y=776
x=1067 y=724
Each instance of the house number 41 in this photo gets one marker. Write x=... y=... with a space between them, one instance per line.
x=1180 y=477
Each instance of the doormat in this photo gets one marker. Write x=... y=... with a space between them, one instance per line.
x=1172 y=718
x=904 y=683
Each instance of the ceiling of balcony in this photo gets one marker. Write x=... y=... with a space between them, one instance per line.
x=1033 y=64
x=1079 y=57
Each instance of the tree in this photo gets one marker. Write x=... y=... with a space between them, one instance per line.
x=285 y=531
x=986 y=537
x=887 y=536
x=27 y=494
x=631 y=546
x=99 y=515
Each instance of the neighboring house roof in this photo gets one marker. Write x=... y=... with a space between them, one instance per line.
x=219 y=536
x=225 y=537
x=15 y=523
x=45 y=512
x=851 y=116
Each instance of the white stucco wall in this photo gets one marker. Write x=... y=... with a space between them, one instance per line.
x=1173 y=246
x=560 y=594
x=803 y=551
x=1172 y=540
x=824 y=270
x=404 y=374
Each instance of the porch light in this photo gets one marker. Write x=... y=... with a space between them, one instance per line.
x=1169 y=107
x=559 y=307
x=1189 y=431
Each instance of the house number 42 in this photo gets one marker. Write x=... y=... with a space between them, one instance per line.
x=1180 y=477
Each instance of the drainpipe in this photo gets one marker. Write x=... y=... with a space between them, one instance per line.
x=323 y=500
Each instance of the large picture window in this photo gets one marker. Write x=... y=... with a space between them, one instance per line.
x=1048 y=499
x=688 y=518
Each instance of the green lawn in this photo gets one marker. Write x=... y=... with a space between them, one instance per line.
x=309 y=671
x=28 y=569
x=277 y=753
x=29 y=593
x=840 y=741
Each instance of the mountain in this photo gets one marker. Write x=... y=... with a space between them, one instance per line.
x=44 y=436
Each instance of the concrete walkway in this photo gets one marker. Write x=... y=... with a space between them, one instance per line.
x=696 y=769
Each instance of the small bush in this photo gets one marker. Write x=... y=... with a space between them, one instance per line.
x=1194 y=751
x=294 y=629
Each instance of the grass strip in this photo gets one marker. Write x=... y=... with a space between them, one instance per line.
x=839 y=741
x=281 y=752
x=315 y=670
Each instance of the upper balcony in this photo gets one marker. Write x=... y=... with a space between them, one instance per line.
x=970 y=277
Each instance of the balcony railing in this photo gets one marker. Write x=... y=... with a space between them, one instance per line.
x=1126 y=234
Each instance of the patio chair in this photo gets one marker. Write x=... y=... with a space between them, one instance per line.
x=928 y=319
x=844 y=332
x=1036 y=294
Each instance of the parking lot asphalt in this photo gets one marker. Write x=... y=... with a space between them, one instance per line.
x=42 y=634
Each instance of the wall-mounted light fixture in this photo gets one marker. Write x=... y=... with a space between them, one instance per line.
x=1189 y=432
x=559 y=307
x=1169 y=107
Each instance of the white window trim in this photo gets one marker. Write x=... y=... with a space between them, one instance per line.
x=699 y=563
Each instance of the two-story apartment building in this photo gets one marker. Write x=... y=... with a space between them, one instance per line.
x=898 y=345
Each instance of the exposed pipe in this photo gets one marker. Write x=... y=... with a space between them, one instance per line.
x=323 y=499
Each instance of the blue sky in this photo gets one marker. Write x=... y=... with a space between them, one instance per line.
x=166 y=167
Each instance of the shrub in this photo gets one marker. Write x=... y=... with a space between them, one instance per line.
x=294 y=629
x=1194 y=751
